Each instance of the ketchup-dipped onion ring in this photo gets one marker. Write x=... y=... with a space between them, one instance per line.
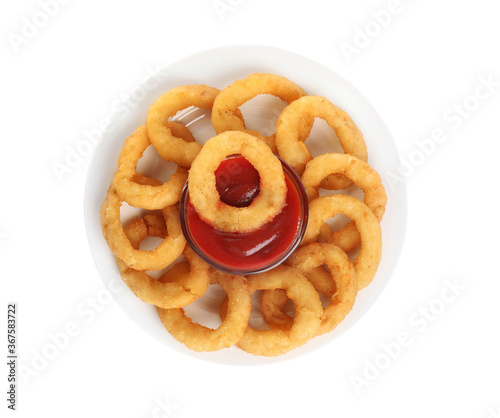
x=179 y=287
x=157 y=259
x=342 y=293
x=147 y=196
x=295 y=123
x=200 y=338
x=363 y=176
x=227 y=103
x=326 y=207
x=274 y=342
x=205 y=198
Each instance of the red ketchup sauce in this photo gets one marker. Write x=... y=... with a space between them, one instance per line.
x=237 y=182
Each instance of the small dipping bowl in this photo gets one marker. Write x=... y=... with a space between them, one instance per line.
x=293 y=181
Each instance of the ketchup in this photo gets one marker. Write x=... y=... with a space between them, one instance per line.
x=238 y=182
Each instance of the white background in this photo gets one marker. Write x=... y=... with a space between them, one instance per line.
x=428 y=58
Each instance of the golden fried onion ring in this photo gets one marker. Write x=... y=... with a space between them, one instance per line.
x=308 y=313
x=363 y=176
x=200 y=338
x=224 y=116
x=325 y=207
x=202 y=186
x=157 y=259
x=147 y=196
x=342 y=289
x=170 y=146
x=183 y=287
x=273 y=301
x=295 y=123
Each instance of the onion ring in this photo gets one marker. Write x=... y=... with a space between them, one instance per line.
x=342 y=295
x=295 y=123
x=178 y=273
x=157 y=259
x=224 y=116
x=322 y=281
x=273 y=301
x=140 y=195
x=170 y=146
x=185 y=287
x=325 y=207
x=206 y=199
x=200 y=338
x=363 y=176
x=307 y=320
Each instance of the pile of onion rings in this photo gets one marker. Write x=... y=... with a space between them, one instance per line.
x=333 y=263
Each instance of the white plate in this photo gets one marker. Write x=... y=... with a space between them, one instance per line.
x=218 y=68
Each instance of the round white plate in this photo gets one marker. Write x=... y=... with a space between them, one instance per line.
x=219 y=68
